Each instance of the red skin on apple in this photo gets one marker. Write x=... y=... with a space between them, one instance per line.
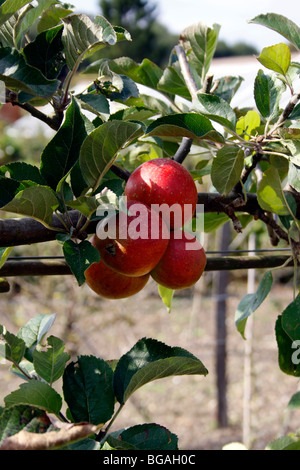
x=112 y=285
x=180 y=267
x=164 y=181
x=136 y=251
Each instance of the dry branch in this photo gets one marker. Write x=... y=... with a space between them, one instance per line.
x=223 y=263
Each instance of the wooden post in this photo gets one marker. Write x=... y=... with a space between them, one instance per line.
x=222 y=279
x=248 y=356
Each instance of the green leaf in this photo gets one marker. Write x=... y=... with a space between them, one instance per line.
x=52 y=16
x=267 y=93
x=8 y=190
x=291 y=320
x=62 y=152
x=4 y=253
x=166 y=296
x=247 y=124
x=50 y=364
x=251 y=302
x=38 y=202
x=14 y=347
x=212 y=221
x=173 y=82
x=290 y=442
x=88 y=390
x=100 y=149
x=18 y=75
x=294 y=176
x=294 y=402
x=200 y=42
x=16 y=418
x=143 y=437
x=287 y=359
x=149 y=360
x=21 y=171
x=28 y=19
x=81 y=36
x=10 y=7
x=97 y=104
x=89 y=204
x=37 y=394
x=79 y=257
x=228 y=86
x=281 y=25
x=276 y=58
x=147 y=73
x=226 y=168
x=190 y=125
x=270 y=193
x=216 y=109
x=7 y=31
x=34 y=331
x=45 y=52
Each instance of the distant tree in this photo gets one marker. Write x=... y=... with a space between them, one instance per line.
x=239 y=49
x=149 y=38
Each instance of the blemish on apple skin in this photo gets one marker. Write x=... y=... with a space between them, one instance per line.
x=111 y=249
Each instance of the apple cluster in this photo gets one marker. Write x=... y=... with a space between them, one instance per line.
x=173 y=257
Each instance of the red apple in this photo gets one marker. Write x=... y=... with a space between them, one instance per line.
x=182 y=263
x=112 y=285
x=163 y=181
x=133 y=241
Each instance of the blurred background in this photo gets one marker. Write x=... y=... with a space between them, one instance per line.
x=244 y=397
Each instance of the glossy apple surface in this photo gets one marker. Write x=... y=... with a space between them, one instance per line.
x=133 y=241
x=164 y=181
x=182 y=264
x=112 y=285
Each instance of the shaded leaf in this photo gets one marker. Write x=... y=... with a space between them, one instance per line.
x=38 y=202
x=36 y=394
x=21 y=171
x=290 y=320
x=143 y=437
x=251 y=302
x=45 y=52
x=101 y=147
x=88 y=390
x=62 y=152
x=79 y=257
x=190 y=125
x=149 y=360
x=147 y=73
x=287 y=359
x=18 y=75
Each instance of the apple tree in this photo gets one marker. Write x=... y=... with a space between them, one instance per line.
x=249 y=158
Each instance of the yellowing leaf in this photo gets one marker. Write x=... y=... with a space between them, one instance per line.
x=276 y=58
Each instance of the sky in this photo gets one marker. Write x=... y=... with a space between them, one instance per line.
x=232 y=15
